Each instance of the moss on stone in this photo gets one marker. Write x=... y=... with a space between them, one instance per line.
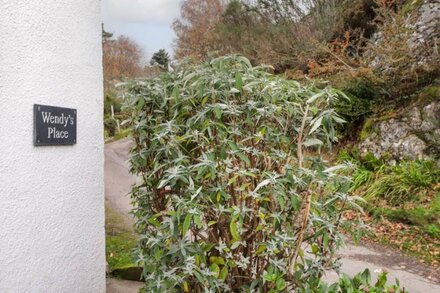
x=430 y=93
x=367 y=129
x=410 y=6
x=131 y=273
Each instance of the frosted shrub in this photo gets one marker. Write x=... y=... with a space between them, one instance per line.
x=234 y=196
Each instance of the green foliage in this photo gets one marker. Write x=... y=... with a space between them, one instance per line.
x=119 y=241
x=120 y=250
x=123 y=134
x=110 y=126
x=361 y=282
x=367 y=129
x=110 y=100
x=161 y=58
x=433 y=230
x=407 y=193
x=354 y=111
x=229 y=195
x=420 y=215
x=410 y=6
x=407 y=181
x=110 y=123
x=431 y=92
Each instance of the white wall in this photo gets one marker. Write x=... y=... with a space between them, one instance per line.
x=51 y=198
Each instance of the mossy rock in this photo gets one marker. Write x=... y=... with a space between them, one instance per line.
x=410 y=6
x=429 y=94
x=129 y=273
x=367 y=129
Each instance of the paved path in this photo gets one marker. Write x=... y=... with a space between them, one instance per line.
x=118 y=180
x=413 y=275
x=122 y=286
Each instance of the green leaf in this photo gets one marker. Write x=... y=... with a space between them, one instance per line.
x=339 y=119
x=271 y=277
x=158 y=253
x=260 y=249
x=315 y=248
x=314 y=97
x=238 y=152
x=215 y=269
x=232 y=180
x=281 y=284
x=234 y=91
x=238 y=80
x=294 y=202
x=223 y=273
x=312 y=142
x=186 y=224
x=218 y=112
x=140 y=103
x=217 y=260
x=234 y=230
x=199 y=276
x=315 y=125
x=198 y=222
x=233 y=146
x=154 y=222
x=244 y=158
x=281 y=202
x=335 y=168
x=210 y=223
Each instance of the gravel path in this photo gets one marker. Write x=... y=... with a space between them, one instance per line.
x=413 y=275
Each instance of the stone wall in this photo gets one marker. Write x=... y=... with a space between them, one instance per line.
x=427 y=25
x=411 y=134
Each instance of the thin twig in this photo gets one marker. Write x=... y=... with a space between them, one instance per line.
x=309 y=195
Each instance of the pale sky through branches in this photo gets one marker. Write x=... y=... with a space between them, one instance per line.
x=148 y=22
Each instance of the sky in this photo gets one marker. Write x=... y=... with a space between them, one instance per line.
x=148 y=22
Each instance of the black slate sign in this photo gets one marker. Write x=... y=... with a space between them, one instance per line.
x=54 y=125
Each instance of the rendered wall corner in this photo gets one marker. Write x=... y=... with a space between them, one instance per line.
x=51 y=198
